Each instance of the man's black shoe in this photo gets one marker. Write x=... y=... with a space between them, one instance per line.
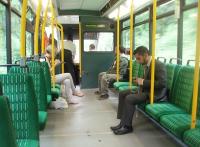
x=123 y=130
x=113 y=128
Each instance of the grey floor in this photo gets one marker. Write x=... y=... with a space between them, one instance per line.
x=87 y=124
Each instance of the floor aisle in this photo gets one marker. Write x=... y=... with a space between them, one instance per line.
x=87 y=124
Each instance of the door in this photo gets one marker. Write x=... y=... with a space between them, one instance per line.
x=97 y=56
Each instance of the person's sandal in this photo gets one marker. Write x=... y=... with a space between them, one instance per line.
x=79 y=94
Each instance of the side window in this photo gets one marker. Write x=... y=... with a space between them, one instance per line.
x=3 y=56
x=15 y=36
x=98 y=41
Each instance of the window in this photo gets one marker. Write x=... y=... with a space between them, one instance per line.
x=3 y=59
x=126 y=38
x=190 y=1
x=142 y=17
x=166 y=7
x=126 y=23
x=30 y=15
x=76 y=42
x=17 y=5
x=15 y=37
x=102 y=41
x=29 y=46
x=189 y=34
x=142 y=35
x=166 y=37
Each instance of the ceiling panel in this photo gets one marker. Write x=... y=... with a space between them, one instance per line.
x=82 y=4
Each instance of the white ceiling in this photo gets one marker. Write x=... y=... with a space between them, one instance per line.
x=82 y=4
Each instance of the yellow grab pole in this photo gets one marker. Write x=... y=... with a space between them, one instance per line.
x=196 y=73
x=53 y=49
x=36 y=34
x=62 y=46
x=23 y=30
x=118 y=54
x=153 y=51
x=131 y=46
x=43 y=28
x=80 y=49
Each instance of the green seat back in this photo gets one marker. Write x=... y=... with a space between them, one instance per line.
x=19 y=90
x=37 y=74
x=7 y=135
x=140 y=71
x=1 y=91
x=135 y=68
x=183 y=88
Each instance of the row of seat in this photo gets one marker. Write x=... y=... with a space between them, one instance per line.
x=174 y=115
x=28 y=91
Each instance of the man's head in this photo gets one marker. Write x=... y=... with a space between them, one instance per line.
x=142 y=55
x=122 y=50
x=70 y=37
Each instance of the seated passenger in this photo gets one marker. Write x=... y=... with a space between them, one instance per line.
x=92 y=47
x=65 y=79
x=110 y=75
x=128 y=99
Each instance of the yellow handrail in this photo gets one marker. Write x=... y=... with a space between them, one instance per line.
x=131 y=46
x=196 y=73
x=23 y=30
x=43 y=28
x=118 y=37
x=62 y=46
x=37 y=22
x=53 y=49
x=80 y=49
x=153 y=51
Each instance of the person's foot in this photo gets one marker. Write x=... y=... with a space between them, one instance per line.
x=97 y=92
x=72 y=101
x=123 y=130
x=113 y=128
x=103 y=96
x=79 y=94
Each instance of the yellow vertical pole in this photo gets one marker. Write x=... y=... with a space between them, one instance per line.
x=153 y=51
x=37 y=22
x=23 y=30
x=53 y=49
x=196 y=73
x=118 y=54
x=62 y=49
x=80 y=49
x=131 y=46
x=43 y=28
x=62 y=45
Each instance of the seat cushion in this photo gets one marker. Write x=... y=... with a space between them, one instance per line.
x=27 y=143
x=192 y=137
x=122 y=88
x=159 y=109
x=177 y=123
x=119 y=84
x=42 y=119
x=49 y=99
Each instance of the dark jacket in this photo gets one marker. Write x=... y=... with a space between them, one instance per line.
x=160 y=85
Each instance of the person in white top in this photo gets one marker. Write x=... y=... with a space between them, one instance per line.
x=65 y=79
x=69 y=45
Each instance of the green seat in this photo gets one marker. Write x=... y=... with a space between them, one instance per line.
x=27 y=143
x=177 y=123
x=135 y=66
x=177 y=96
x=47 y=76
x=7 y=135
x=42 y=119
x=36 y=73
x=133 y=88
x=19 y=90
x=192 y=137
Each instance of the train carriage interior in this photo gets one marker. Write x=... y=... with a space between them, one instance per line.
x=99 y=73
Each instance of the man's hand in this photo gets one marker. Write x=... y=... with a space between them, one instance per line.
x=138 y=81
x=57 y=62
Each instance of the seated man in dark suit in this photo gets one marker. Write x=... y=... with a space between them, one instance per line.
x=129 y=99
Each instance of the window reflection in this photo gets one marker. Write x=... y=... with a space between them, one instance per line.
x=142 y=35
